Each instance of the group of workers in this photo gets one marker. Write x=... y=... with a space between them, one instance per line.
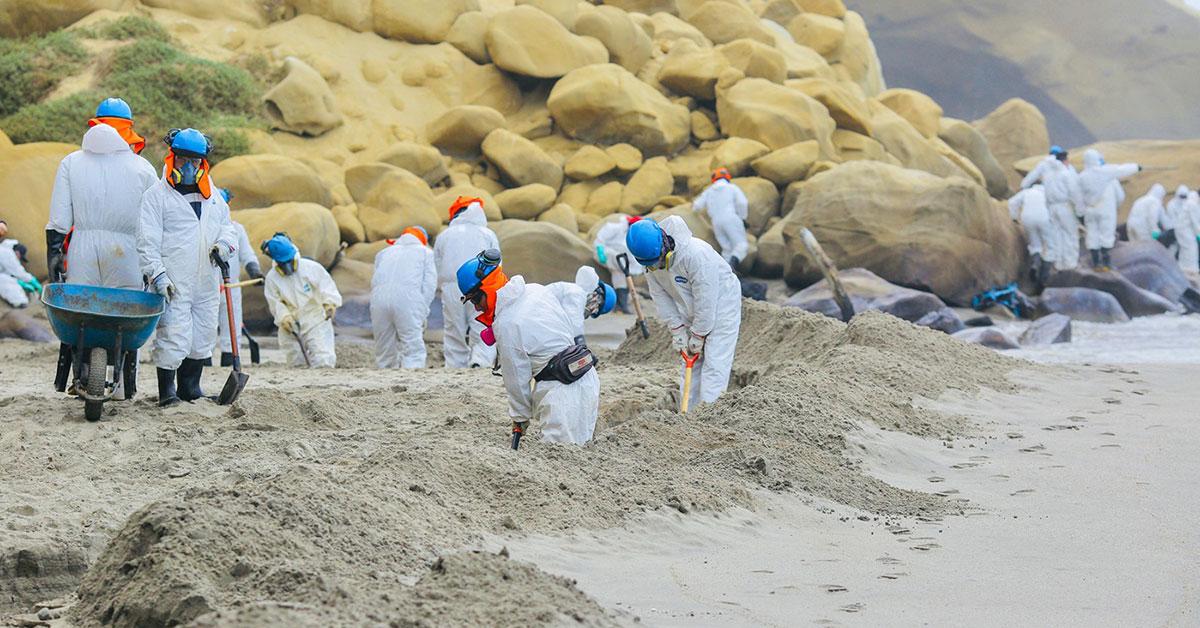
x=115 y=223
x=1054 y=197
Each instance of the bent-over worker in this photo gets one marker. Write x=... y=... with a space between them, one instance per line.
x=303 y=299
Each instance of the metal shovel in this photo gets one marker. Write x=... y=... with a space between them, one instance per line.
x=237 y=379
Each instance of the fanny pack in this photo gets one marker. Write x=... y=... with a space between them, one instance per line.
x=569 y=365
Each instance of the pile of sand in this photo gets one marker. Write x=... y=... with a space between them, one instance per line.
x=322 y=497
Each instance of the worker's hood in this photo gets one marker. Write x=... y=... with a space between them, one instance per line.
x=1158 y=191
x=103 y=139
x=587 y=278
x=1181 y=191
x=408 y=239
x=676 y=227
x=1092 y=158
x=472 y=215
x=510 y=292
x=8 y=243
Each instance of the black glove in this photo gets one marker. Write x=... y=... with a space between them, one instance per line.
x=56 y=259
x=254 y=270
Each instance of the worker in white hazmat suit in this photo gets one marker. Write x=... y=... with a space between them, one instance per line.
x=1187 y=227
x=91 y=235
x=538 y=331
x=244 y=259
x=610 y=245
x=696 y=294
x=1029 y=208
x=467 y=235
x=727 y=209
x=1101 y=200
x=15 y=281
x=402 y=289
x=1171 y=218
x=184 y=224
x=303 y=300
x=1146 y=216
x=1064 y=198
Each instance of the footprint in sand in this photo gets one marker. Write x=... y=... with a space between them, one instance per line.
x=935 y=479
x=1113 y=445
x=834 y=588
x=1058 y=428
x=965 y=465
x=898 y=530
x=925 y=547
x=1078 y=419
x=1033 y=449
x=1024 y=491
x=1000 y=477
x=1112 y=401
x=1015 y=435
x=946 y=493
x=889 y=560
x=853 y=608
x=980 y=458
x=893 y=576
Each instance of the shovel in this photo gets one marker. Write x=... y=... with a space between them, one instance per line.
x=255 y=354
x=300 y=341
x=689 y=361
x=517 y=433
x=237 y=379
x=623 y=263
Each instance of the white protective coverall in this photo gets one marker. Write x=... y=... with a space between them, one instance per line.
x=98 y=191
x=1064 y=198
x=466 y=236
x=1172 y=214
x=727 y=209
x=402 y=289
x=1101 y=199
x=11 y=271
x=174 y=241
x=612 y=237
x=700 y=291
x=241 y=258
x=304 y=294
x=1187 y=226
x=1029 y=206
x=1146 y=215
x=533 y=324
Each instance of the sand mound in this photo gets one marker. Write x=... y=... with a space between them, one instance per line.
x=351 y=487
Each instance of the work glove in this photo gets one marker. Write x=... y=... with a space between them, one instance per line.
x=601 y=256
x=330 y=310
x=37 y=285
x=288 y=324
x=162 y=285
x=679 y=337
x=1156 y=234
x=254 y=270
x=221 y=252
x=56 y=263
x=695 y=344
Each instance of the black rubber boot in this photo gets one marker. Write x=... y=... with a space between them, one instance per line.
x=129 y=374
x=189 y=379
x=1035 y=269
x=166 y=388
x=623 y=301
x=226 y=358
x=1095 y=259
x=1106 y=259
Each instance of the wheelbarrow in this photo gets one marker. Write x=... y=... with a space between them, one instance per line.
x=101 y=325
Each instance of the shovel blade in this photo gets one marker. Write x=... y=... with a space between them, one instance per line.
x=233 y=387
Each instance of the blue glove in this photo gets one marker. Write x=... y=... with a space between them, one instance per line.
x=1156 y=234
x=37 y=285
x=27 y=286
x=600 y=256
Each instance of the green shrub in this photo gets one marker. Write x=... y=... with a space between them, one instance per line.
x=31 y=68
x=131 y=27
x=140 y=54
x=58 y=120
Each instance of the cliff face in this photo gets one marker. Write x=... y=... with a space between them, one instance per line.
x=1109 y=69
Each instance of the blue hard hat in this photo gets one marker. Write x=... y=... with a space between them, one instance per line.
x=189 y=143
x=225 y=194
x=114 y=108
x=1057 y=150
x=610 y=300
x=645 y=242
x=280 y=248
x=471 y=274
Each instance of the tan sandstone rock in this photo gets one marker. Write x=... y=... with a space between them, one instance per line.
x=773 y=114
x=520 y=161
x=526 y=202
x=920 y=110
x=302 y=102
x=606 y=104
x=529 y=42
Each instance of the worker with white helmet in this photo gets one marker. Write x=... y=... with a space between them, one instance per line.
x=467 y=235
x=696 y=294
x=402 y=289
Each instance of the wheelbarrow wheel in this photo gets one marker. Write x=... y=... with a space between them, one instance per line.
x=97 y=367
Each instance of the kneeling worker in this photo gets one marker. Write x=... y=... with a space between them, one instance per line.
x=696 y=294
x=538 y=332
x=303 y=299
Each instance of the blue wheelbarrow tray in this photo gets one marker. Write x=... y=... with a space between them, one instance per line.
x=89 y=317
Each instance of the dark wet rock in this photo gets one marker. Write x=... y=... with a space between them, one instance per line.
x=1048 y=330
x=1082 y=304
x=987 y=336
x=944 y=320
x=868 y=291
x=1134 y=300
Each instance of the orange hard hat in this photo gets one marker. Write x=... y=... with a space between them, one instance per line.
x=721 y=173
x=418 y=232
x=462 y=203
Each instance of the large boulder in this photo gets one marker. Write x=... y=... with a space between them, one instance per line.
x=350 y=228
x=920 y=231
x=647 y=186
x=736 y=153
x=772 y=253
x=867 y=291
x=302 y=102
x=1134 y=300
x=722 y=22
x=1150 y=266
x=469 y=35
x=857 y=59
x=853 y=146
x=526 y=202
x=1081 y=304
x=989 y=337
x=788 y=164
x=424 y=161
x=521 y=161
x=1047 y=330
x=628 y=44
x=846 y=108
x=26 y=181
x=19 y=18
x=542 y=252
x=822 y=33
x=774 y=115
x=762 y=202
x=755 y=59
x=264 y=180
x=967 y=141
x=906 y=144
x=800 y=62
x=920 y=110
x=353 y=279
x=589 y=162
x=1014 y=131
x=418 y=21
x=311 y=226
x=353 y=14
x=529 y=42
x=606 y=104
x=460 y=130
x=391 y=199
x=692 y=70
x=562 y=215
